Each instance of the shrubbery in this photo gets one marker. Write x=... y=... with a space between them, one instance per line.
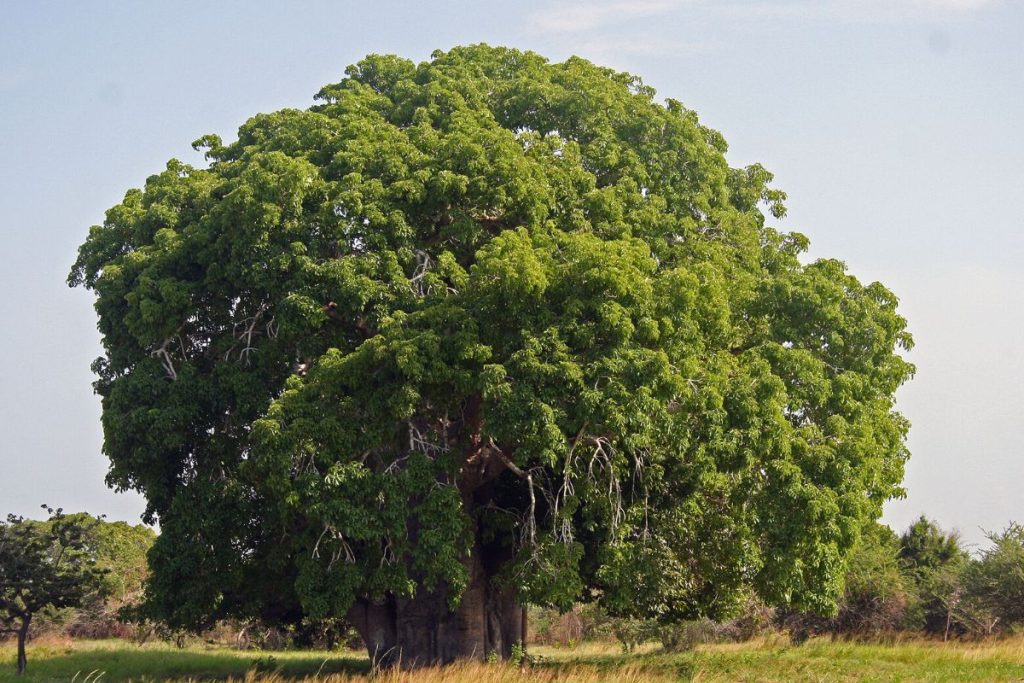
x=926 y=582
x=922 y=582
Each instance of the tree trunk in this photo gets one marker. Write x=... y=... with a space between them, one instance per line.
x=422 y=630
x=22 y=637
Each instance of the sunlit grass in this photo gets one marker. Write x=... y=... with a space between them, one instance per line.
x=827 y=660
x=765 y=659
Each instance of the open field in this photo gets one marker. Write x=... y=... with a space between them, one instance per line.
x=767 y=660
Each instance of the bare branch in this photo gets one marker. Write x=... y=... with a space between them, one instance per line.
x=423 y=265
x=506 y=461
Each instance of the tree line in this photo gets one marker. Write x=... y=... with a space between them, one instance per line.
x=923 y=582
x=69 y=573
x=84 y=577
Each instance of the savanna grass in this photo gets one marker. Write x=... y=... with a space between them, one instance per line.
x=772 y=659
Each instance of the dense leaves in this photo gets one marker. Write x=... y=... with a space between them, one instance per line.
x=935 y=562
x=486 y=305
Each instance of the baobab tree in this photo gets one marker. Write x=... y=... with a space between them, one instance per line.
x=480 y=332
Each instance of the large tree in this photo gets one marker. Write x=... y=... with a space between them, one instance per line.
x=477 y=332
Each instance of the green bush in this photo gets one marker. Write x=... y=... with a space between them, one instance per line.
x=994 y=583
x=933 y=561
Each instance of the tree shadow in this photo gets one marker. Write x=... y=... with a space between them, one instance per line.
x=122 y=664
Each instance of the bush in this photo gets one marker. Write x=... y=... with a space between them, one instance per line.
x=755 y=619
x=585 y=621
x=933 y=562
x=994 y=584
x=631 y=632
x=687 y=635
x=876 y=598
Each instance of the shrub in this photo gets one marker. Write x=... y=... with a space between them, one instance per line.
x=994 y=584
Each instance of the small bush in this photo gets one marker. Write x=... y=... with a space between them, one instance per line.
x=687 y=635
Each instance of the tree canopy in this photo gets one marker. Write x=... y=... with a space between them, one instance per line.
x=486 y=329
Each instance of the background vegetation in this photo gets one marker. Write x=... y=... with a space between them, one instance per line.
x=904 y=595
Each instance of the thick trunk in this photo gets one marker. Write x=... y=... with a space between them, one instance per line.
x=422 y=630
x=22 y=637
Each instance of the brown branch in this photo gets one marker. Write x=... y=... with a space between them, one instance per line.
x=511 y=466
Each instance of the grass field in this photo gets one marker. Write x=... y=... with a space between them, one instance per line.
x=766 y=660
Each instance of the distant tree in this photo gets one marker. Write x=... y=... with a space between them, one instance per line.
x=45 y=564
x=934 y=561
x=924 y=545
x=480 y=332
x=121 y=550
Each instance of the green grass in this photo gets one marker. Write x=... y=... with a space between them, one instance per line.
x=765 y=660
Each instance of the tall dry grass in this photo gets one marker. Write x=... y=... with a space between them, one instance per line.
x=478 y=673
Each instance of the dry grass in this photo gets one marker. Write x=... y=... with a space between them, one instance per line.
x=486 y=673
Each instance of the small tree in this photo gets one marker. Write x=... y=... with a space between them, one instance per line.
x=876 y=595
x=935 y=561
x=45 y=564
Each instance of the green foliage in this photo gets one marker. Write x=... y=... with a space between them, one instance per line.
x=924 y=546
x=47 y=564
x=687 y=635
x=994 y=584
x=877 y=594
x=519 y=656
x=631 y=632
x=121 y=550
x=934 y=562
x=486 y=304
x=925 y=581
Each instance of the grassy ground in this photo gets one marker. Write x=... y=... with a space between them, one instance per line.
x=766 y=660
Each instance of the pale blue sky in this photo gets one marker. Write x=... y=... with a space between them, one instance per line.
x=896 y=126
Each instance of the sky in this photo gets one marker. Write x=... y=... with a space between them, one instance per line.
x=895 y=126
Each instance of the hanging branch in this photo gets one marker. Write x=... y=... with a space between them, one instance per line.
x=562 y=525
x=530 y=530
x=164 y=354
x=343 y=547
x=245 y=331
x=602 y=458
x=423 y=265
